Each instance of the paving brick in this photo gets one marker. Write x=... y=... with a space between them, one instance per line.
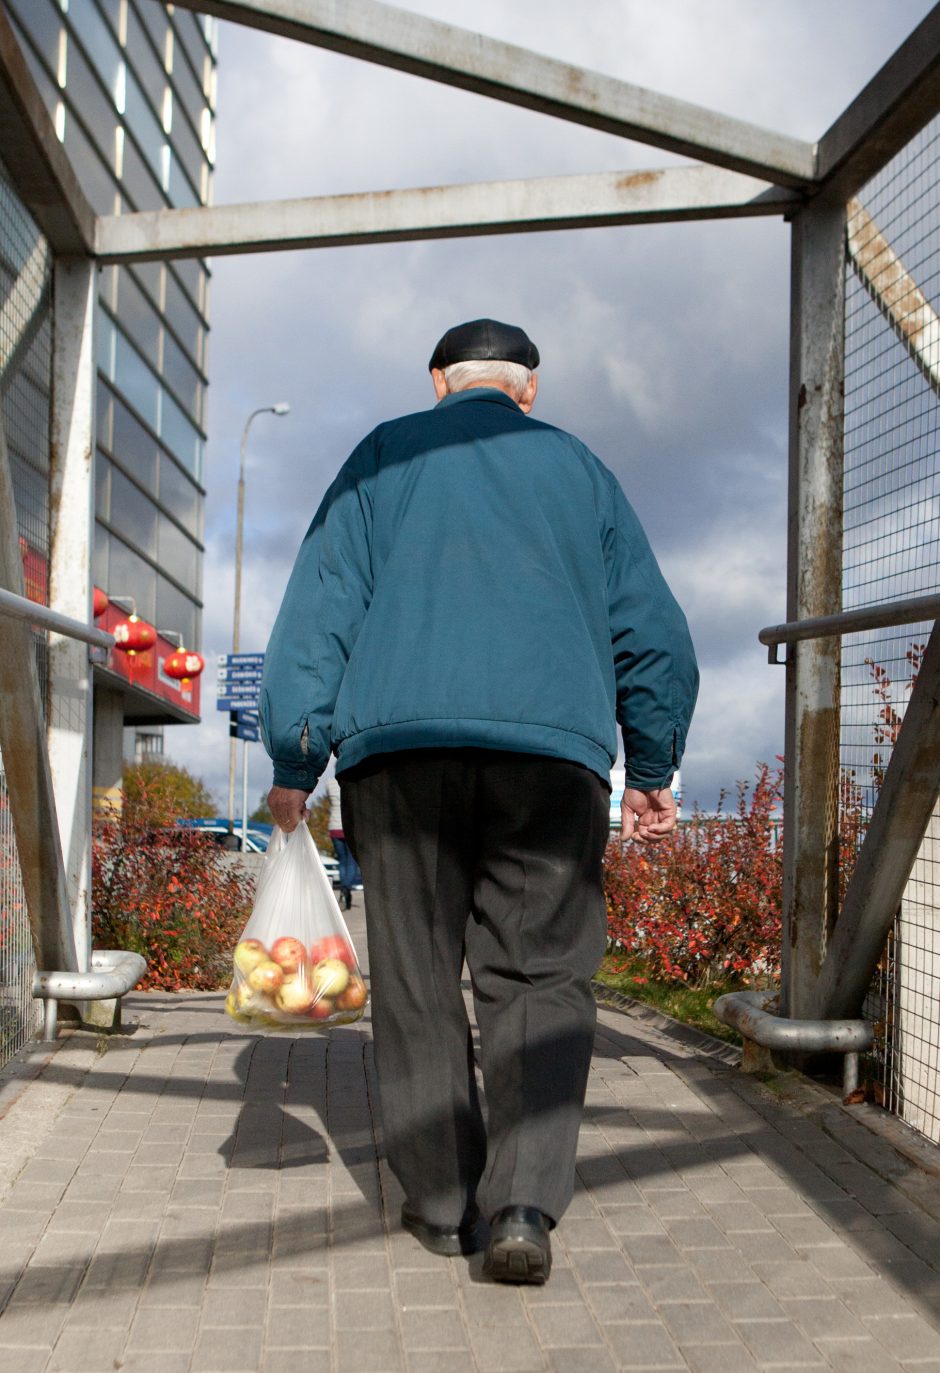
x=372 y=1351
x=87 y=1351
x=292 y=1327
x=720 y=1358
x=23 y=1360
x=227 y=1351
x=565 y=1325
x=696 y=1323
x=292 y=1360
x=370 y=1310
x=620 y=1302
x=32 y=1326
x=505 y=1349
x=644 y=1344
x=234 y=1306
x=299 y=1287
x=857 y=1356
x=777 y=1342
x=564 y=1359
x=432 y=1329
x=746 y=1300
x=170 y=1328
x=905 y=1337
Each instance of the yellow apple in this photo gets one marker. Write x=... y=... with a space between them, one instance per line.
x=266 y=977
x=248 y=954
x=330 y=977
x=294 y=996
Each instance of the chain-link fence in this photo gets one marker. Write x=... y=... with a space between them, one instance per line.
x=891 y=550
x=25 y=385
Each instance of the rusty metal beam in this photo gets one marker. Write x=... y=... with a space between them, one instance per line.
x=34 y=157
x=409 y=42
x=897 y=826
x=814 y=582
x=895 y=105
x=894 y=291
x=495 y=207
x=26 y=761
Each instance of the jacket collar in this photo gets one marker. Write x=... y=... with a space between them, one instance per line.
x=491 y=393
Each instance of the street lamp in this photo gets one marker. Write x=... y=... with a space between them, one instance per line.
x=280 y=407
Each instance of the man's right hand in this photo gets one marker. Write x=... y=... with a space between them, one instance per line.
x=288 y=807
x=647 y=815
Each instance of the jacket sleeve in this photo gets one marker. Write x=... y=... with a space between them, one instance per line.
x=326 y=600
x=654 y=661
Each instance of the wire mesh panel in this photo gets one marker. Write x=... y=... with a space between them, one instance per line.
x=25 y=383
x=892 y=550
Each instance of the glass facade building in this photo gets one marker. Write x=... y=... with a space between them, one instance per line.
x=130 y=85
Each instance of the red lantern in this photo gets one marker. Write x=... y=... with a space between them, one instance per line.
x=134 y=636
x=99 y=602
x=182 y=666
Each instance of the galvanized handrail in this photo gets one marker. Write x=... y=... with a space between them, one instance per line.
x=113 y=972
x=21 y=608
x=747 y=1013
x=887 y=613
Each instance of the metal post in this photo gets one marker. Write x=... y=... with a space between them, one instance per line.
x=71 y=501
x=244 y=796
x=814 y=577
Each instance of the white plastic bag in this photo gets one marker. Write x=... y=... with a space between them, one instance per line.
x=295 y=966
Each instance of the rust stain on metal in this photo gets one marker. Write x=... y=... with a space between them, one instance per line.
x=635 y=179
x=894 y=291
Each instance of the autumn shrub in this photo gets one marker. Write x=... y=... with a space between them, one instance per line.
x=705 y=904
x=167 y=892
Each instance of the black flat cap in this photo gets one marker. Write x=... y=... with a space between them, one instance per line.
x=485 y=340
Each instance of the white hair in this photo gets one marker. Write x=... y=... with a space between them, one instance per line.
x=459 y=376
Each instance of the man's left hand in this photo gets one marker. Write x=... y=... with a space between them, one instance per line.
x=288 y=807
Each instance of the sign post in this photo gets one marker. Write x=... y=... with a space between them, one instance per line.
x=238 y=690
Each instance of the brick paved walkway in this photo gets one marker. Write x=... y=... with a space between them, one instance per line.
x=194 y=1198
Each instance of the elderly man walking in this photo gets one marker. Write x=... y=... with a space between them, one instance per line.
x=473 y=610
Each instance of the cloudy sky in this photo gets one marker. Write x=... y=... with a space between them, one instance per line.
x=664 y=347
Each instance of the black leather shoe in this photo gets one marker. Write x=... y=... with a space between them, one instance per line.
x=519 y=1249
x=450 y=1241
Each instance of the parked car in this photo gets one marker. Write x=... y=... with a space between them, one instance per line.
x=216 y=827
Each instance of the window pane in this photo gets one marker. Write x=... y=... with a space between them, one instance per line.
x=145 y=126
x=182 y=376
x=178 y=554
x=99 y=43
x=180 y=496
x=189 y=35
x=134 y=448
x=103 y=414
x=181 y=192
x=105 y=337
x=150 y=277
x=133 y=515
x=186 y=147
x=182 y=316
x=187 y=87
x=102 y=487
x=148 y=68
x=138 y=317
x=177 y=612
x=95 y=175
x=129 y=575
x=99 y=564
x=140 y=184
x=192 y=274
x=135 y=380
x=154 y=17
x=180 y=436
x=44 y=25
x=83 y=93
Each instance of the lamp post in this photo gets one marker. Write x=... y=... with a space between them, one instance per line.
x=279 y=408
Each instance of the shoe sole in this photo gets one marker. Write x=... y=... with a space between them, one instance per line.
x=517 y=1260
x=445 y=1246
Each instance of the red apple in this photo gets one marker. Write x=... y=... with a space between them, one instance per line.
x=289 y=952
x=294 y=996
x=333 y=946
x=322 y=1009
x=248 y=954
x=330 y=977
x=266 y=977
x=354 y=995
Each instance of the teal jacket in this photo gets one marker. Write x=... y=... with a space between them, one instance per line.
x=476 y=578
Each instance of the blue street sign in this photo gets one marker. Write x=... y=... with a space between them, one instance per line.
x=239 y=688
x=239 y=674
x=240 y=660
x=236 y=702
x=249 y=732
x=247 y=717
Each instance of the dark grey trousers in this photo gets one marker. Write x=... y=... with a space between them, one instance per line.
x=496 y=857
